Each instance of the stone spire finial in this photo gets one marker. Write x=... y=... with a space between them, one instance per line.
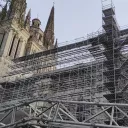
x=4 y=12
x=49 y=30
x=28 y=20
x=56 y=44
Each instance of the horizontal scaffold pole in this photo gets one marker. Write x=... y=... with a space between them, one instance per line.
x=65 y=102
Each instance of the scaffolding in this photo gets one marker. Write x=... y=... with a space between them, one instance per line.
x=80 y=85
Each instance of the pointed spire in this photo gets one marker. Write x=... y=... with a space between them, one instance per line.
x=17 y=10
x=12 y=7
x=28 y=20
x=29 y=13
x=56 y=44
x=4 y=11
x=49 y=31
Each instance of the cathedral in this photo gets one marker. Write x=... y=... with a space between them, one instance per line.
x=19 y=37
x=80 y=85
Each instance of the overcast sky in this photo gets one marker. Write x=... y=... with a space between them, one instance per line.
x=76 y=18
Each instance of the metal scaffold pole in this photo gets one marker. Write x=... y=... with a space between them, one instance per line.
x=80 y=85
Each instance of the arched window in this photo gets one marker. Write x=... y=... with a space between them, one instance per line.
x=17 y=48
x=12 y=45
x=40 y=37
x=2 y=39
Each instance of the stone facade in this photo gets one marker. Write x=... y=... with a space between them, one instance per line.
x=18 y=37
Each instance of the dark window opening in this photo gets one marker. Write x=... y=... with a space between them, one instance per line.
x=17 y=48
x=40 y=37
x=2 y=40
x=12 y=45
x=30 y=37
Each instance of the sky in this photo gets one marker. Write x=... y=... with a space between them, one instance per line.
x=75 y=18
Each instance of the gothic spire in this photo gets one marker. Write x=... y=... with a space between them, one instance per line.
x=56 y=44
x=4 y=11
x=49 y=30
x=17 y=9
x=27 y=20
x=12 y=7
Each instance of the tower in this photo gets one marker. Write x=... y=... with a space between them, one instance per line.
x=18 y=37
x=13 y=33
x=35 y=41
x=40 y=40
